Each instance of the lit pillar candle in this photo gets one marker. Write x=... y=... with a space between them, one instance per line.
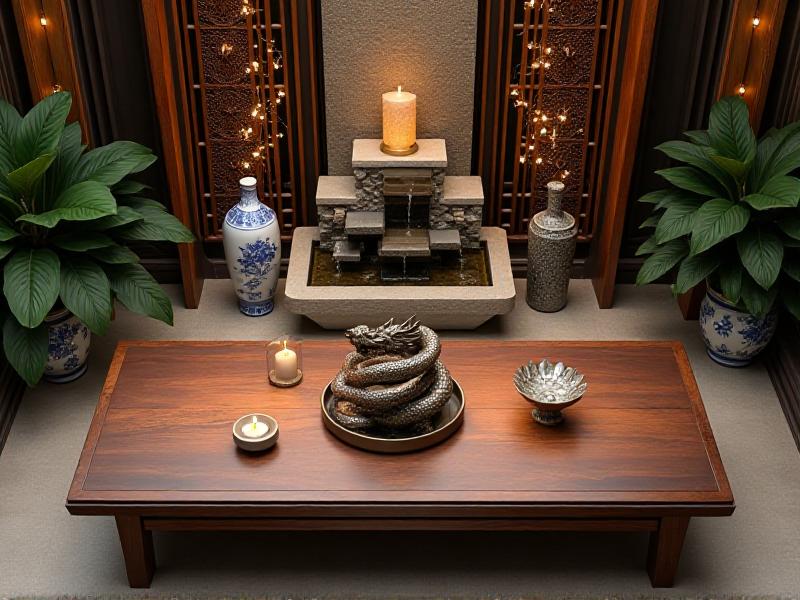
x=285 y=364
x=399 y=120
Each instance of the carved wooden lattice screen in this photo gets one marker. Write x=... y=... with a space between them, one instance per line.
x=552 y=56
x=247 y=62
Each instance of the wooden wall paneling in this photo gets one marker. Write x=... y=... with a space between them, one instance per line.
x=50 y=54
x=619 y=145
x=12 y=389
x=307 y=108
x=783 y=98
x=14 y=87
x=783 y=366
x=750 y=53
x=114 y=73
x=515 y=76
x=747 y=61
x=781 y=108
x=164 y=50
x=493 y=73
x=691 y=34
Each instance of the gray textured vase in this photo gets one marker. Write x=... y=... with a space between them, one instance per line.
x=551 y=246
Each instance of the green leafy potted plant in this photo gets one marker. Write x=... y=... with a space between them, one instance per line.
x=731 y=218
x=66 y=217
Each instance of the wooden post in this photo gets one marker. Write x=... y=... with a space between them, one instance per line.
x=170 y=95
x=635 y=53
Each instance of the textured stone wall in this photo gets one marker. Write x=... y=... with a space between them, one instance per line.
x=369 y=196
x=370 y=47
x=331 y=225
x=467 y=219
x=369 y=189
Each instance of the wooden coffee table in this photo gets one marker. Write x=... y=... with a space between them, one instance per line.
x=636 y=454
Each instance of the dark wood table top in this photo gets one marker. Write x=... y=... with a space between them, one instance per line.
x=161 y=435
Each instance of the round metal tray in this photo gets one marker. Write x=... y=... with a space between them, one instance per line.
x=447 y=423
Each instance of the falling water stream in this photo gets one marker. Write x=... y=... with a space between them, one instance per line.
x=408 y=209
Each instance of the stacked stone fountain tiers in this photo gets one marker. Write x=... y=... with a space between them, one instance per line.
x=393 y=384
x=402 y=209
x=403 y=223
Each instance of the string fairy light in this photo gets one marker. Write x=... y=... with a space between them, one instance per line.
x=44 y=22
x=263 y=128
x=541 y=127
x=755 y=21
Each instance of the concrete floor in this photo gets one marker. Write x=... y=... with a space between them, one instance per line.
x=46 y=552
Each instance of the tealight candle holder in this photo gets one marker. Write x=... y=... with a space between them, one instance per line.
x=285 y=361
x=255 y=432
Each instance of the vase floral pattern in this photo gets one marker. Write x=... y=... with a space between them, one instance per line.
x=733 y=337
x=68 y=347
x=251 y=239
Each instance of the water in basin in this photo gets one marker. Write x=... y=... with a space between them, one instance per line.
x=450 y=269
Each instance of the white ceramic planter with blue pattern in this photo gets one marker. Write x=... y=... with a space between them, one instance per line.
x=733 y=337
x=252 y=242
x=68 y=347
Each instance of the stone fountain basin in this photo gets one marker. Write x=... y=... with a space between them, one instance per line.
x=438 y=307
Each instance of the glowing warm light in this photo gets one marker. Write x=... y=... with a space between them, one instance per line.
x=399 y=119
x=43 y=20
x=225 y=49
x=538 y=160
x=57 y=88
x=741 y=89
x=756 y=21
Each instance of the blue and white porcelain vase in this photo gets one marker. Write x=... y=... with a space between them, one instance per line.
x=68 y=346
x=733 y=337
x=252 y=242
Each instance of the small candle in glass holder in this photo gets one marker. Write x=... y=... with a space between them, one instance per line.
x=399 y=122
x=284 y=362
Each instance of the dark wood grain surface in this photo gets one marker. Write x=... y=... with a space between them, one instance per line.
x=162 y=432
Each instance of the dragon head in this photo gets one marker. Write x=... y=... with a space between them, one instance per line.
x=404 y=338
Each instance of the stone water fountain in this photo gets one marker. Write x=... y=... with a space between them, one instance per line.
x=399 y=236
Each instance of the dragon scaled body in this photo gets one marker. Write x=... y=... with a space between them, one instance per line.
x=393 y=381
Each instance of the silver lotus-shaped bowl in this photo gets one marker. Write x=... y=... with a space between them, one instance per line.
x=551 y=388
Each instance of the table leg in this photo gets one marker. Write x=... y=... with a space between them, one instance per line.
x=137 y=548
x=665 y=550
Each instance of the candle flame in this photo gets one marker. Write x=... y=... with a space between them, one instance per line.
x=399 y=88
x=255 y=422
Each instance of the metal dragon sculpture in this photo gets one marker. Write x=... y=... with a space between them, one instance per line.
x=393 y=381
